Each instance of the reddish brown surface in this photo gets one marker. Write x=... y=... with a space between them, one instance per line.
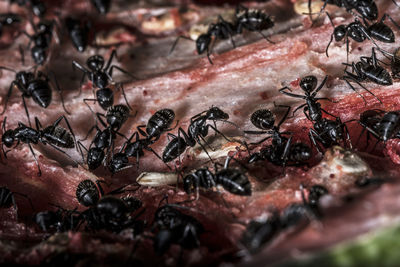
x=240 y=81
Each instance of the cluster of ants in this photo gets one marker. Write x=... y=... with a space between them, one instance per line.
x=170 y=225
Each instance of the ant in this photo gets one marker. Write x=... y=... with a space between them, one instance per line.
x=382 y=125
x=105 y=211
x=359 y=32
x=259 y=232
x=8 y=19
x=116 y=116
x=78 y=32
x=232 y=180
x=281 y=150
x=221 y=30
x=7 y=198
x=174 y=227
x=158 y=123
x=61 y=220
x=395 y=64
x=43 y=33
x=53 y=135
x=367 y=69
x=326 y=131
x=366 y=8
x=101 y=76
x=252 y=20
x=33 y=84
x=197 y=130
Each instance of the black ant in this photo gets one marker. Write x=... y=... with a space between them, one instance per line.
x=7 y=198
x=174 y=227
x=326 y=131
x=33 y=84
x=382 y=125
x=158 y=123
x=221 y=30
x=60 y=220
x=232 y=180
x=260 y=232
x=116 y=116
x=366 y=8
x=7 y=19
x=395 y=64
x=367 y=69
x=102 y=6
x=281 y=150
x=252 y=20
x=197 y=130
x=105 y=211
x=360 y=32
x=78 y=32
x=101 y=76
x=41 y=39
x=53 y=135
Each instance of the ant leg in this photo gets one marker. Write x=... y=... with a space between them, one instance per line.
x=348 y=139
x=290 y=94
x=299 y=107
x=265 y=37
x=394 y=22
x=139 y=128
x=364 y=89
x=208 y=56
x=261 y=141
x=352 y=87
x=258 y=132
x=121 y=70
x=176 y=42
x=14 y=83
x=312 y=134
x=38 y=124
x=217 y=131
x=59 y=91
x=98 y=116
x=21 y=52
x=124 y=95
x=113 y=54
x=330 y=114
x=90 y=131
x=26 y=111
x=68 y=125
x=80 y=146
x=158 y=156
x=284 y=116
x=320 y=86
x=34 y=156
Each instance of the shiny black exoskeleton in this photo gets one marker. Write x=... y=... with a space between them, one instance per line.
x=326 y=131
x=105 y=211
x=101 y=76
x=367 y=69
x=102 y=6
x=158 y=123
x=60 y=220
x=382 y=125
x=312 y=108
x=174 y=227
x=120 y=161
x=53 y=135
x=221 y=30
x=197 y=130
x=260 y=232
x=395 y=64
x=33 y=85
x=7 y=19
x=280 y=151
x=252 y=20
x=41 y=39
x=367 y=9
x=232 y=180
x=78 y=32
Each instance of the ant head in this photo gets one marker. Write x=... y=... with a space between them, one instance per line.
x=202 y=43
x=308 y=83
x=95 y=63
x=339 y=32
x=215 y=113
x=263 y=119
x=8 y=138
